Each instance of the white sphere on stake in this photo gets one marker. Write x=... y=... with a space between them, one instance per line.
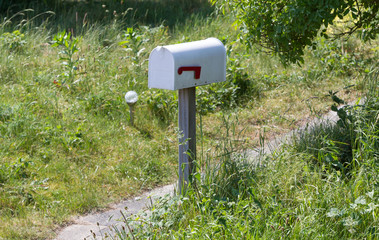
x=131 y=98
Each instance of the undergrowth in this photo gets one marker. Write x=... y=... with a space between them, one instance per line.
x=66 y=146
x=323 y=185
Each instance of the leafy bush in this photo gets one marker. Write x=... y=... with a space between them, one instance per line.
x=13 y=41
x=237 y=90
x=286 y=27
x=163 y=104
x=340 y=146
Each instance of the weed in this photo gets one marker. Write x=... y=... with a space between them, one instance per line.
x=133 y=43
x=17 y=170
x=163 y=104
x=69 y=46
x=13 y=41
x=6 y=113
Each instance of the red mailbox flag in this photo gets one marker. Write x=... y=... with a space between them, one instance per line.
x=197 y=71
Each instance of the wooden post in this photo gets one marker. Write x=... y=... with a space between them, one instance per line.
x=187 y=140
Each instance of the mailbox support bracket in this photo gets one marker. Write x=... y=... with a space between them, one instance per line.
x=187 y=139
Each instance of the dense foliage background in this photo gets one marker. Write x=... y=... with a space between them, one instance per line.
x=286 y=27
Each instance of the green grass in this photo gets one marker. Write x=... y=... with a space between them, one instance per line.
x=311 y=189
x=66 y=147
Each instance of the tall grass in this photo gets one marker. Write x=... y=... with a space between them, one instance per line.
x=79 y=16
x=66 y=145
x=312 y=189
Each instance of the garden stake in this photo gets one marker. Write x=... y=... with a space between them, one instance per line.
x=131 y=98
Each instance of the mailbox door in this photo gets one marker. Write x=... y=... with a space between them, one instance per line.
x=161 y=65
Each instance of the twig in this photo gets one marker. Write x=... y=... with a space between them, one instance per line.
x=126 y=222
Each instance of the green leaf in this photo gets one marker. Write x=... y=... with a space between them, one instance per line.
x=360 y=200
x=334 y=212
x=123 y=42
x=370 y=194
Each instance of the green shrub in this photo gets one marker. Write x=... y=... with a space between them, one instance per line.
x=13 y=41
x=163 y=104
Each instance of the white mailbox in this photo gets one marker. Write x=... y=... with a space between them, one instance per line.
x=187 y=65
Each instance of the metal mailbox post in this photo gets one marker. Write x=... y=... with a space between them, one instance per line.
x=182 y=67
